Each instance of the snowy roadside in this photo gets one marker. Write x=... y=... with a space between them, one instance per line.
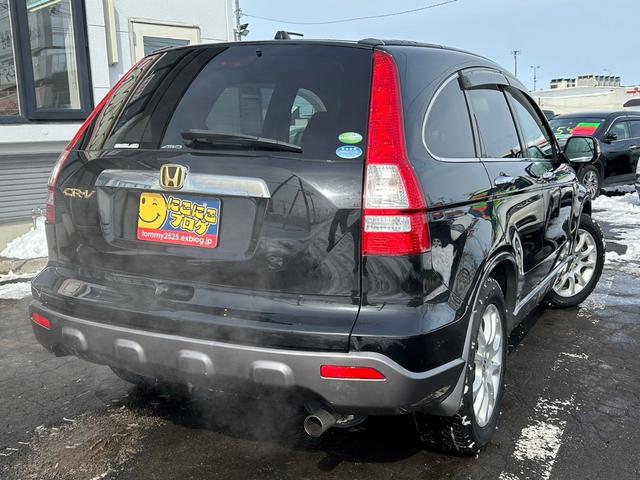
x=21 y=260
x=32 y=244
x=622 y=214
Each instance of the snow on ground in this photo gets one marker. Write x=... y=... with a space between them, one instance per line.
x=32 y=244
x=15 y=291
x=622 y=213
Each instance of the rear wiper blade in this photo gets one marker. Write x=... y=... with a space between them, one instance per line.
x=195 y=138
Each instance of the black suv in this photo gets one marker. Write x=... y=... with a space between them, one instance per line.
x=619 y=136
x=360 y=224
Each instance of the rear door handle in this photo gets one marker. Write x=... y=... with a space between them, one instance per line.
x=632 y=147
x=503 y=180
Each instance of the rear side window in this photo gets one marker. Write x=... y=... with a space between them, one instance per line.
x=498 y=134
x=537 y=143
x=447 y=130
x=634 y=126
x=306 y=95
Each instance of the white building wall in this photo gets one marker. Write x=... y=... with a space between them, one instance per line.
x=582 y=99
x=213 y=17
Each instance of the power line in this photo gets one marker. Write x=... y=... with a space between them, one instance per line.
x=344 y=20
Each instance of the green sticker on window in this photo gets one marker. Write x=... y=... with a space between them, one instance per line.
x=350 y=137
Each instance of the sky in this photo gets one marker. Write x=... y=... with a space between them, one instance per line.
x=566 y=38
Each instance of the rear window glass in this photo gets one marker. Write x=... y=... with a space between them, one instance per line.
x=312 y=96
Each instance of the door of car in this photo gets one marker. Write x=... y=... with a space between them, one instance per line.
x=518 y=188
x=634 y=140
x=617 y=141
x=558 y=182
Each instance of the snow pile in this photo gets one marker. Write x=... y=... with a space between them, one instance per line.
x=15 y=291
x=623 y=214
x=32 y=244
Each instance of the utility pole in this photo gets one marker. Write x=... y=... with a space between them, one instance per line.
x=535 y=76
x=515 y=54
x=240 y=29
x=236 y=31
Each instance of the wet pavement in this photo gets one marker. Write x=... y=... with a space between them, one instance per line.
x=571 y=411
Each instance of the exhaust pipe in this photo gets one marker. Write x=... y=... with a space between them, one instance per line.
x=319 y=422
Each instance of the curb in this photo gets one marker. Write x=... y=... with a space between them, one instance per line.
x=20 y=267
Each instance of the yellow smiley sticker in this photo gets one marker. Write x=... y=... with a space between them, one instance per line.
x=153 y=211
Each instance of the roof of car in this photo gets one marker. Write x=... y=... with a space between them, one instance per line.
x=365 y=43
x=598 y=113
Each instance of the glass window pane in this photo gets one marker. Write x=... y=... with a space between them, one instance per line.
x=536 y=139
x=8 y=85
x=621 y=129
x=635 y=128
x=448 y=128
x=151 y=44
x=53 y=52
x=497 y=130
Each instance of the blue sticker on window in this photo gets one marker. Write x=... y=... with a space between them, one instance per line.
x=348 y=151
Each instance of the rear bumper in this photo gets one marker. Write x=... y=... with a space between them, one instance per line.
x=209 y=363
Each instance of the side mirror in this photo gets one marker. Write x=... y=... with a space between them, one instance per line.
x=611 y=137
x=582 y=149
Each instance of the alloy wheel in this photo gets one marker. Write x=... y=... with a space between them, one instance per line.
x=591 y=183
x=580 y=271
x=488 y=365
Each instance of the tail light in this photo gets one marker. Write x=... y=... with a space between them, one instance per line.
x=62 y=159
x=41 y=320
x=394 y=220
x=350 y=373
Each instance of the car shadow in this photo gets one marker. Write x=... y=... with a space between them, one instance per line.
x=276 y=417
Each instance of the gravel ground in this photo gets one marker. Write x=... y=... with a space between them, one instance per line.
x=571 y=410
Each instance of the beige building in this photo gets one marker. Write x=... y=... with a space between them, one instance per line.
x=587 y=92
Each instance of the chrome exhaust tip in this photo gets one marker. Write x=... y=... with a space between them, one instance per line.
x=319 y=422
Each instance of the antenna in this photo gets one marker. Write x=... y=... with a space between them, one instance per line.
x=284 y=35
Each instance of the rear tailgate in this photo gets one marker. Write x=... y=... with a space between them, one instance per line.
x=255 y=237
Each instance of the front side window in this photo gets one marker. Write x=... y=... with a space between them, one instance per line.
x=537 y=143
x=620 y=129
x=447 y=131
x=498 y=134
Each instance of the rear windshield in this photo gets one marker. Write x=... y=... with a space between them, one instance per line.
x=563 y=128
x=314 y=97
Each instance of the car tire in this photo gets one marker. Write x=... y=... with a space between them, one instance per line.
x=589 y=236
x=467 y=432
x=589 y=177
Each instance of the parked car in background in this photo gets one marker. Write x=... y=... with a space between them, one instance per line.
x=549 y=114
x=318 y=216
x=638 y=178
x=619 y=136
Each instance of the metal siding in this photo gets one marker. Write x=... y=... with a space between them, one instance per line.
x=23 y=184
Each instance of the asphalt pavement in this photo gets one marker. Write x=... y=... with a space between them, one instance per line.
x=571 y=411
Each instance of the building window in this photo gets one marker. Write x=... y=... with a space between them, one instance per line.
x=9 y=105
x=43 y=63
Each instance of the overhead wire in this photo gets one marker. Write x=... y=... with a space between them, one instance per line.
x=352 y=19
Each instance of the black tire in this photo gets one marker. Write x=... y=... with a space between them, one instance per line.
x=557 y=301
x=461 y=434
x=589 y=176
